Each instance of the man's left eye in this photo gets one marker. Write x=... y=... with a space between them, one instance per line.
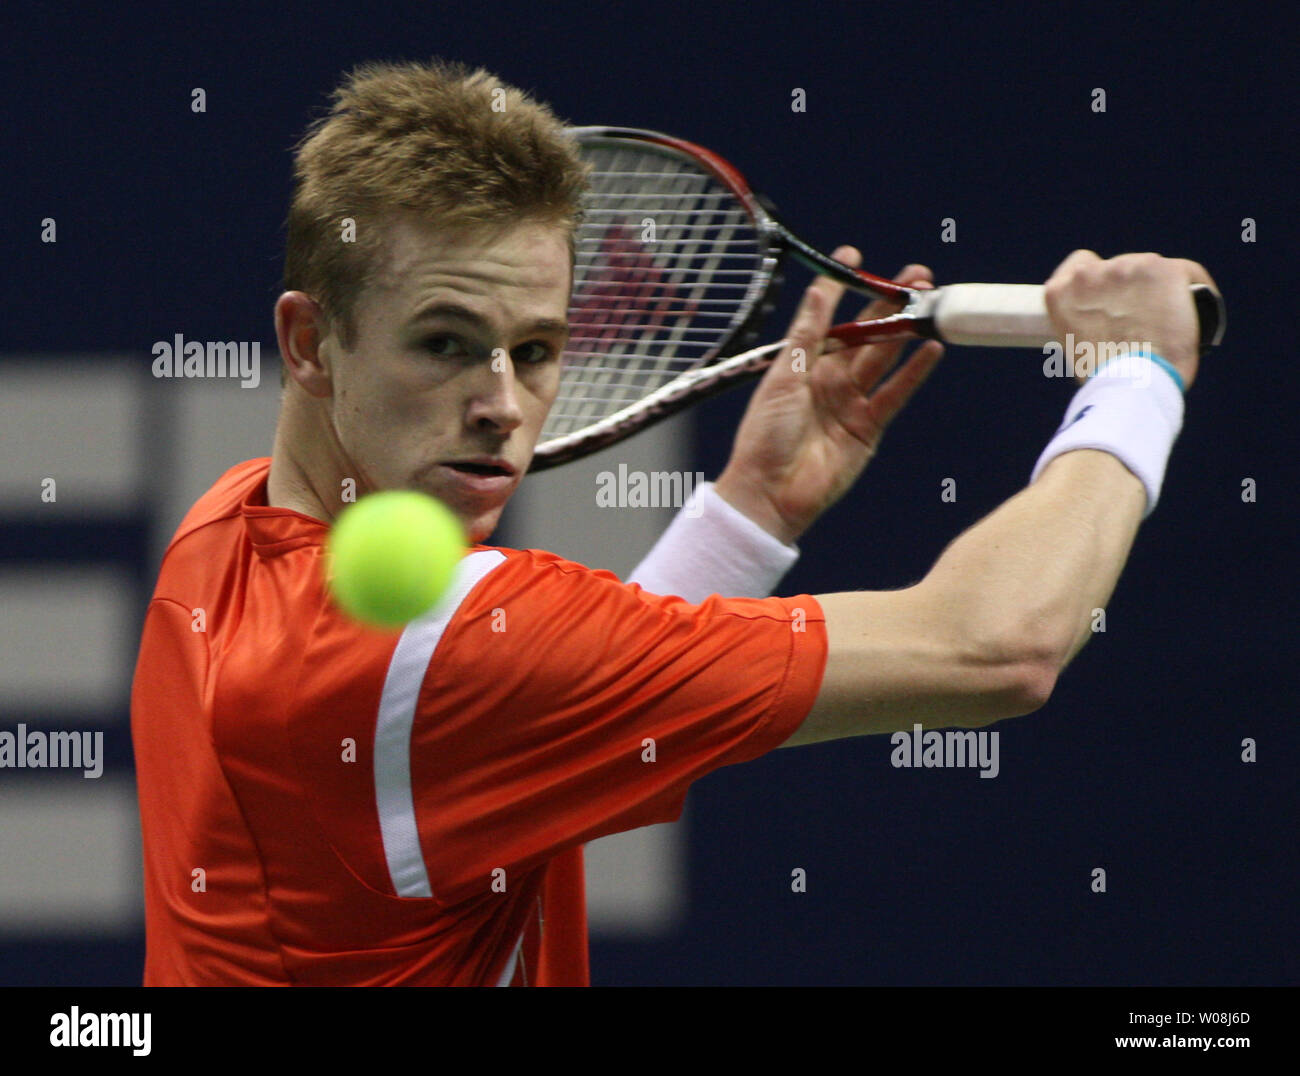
x=443 y=346
x=532 y=353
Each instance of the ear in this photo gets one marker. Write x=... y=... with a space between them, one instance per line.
x=300 y=328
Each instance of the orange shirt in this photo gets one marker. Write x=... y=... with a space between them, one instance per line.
x=326 y=804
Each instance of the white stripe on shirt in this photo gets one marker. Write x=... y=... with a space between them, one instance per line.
x=397 y=706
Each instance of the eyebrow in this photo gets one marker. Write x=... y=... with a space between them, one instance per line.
x=551 y=326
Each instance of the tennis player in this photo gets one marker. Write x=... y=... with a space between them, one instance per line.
x=326 y=804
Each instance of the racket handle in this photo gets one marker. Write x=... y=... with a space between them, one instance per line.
x=1015 y=315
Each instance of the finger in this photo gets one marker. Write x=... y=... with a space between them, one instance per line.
x=868 y=364
x=1197 y=274
x=910 y=276
x=914 y=274
x=865 y=366
x=1073 y=263
x=817 y=309
x=893 y=395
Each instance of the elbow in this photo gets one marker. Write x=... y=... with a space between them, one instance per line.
x=1003 y=690
x=1019 y=673
x=1016 y=654
x=1005 y=683
x=1035 y=681
x=1038 y=663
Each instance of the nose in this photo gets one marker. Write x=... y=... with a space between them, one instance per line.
x=494 y=396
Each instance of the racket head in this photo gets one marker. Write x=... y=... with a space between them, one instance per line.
x=677 y=263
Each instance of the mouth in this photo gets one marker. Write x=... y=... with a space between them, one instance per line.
x=482 y=475
x=482 y=466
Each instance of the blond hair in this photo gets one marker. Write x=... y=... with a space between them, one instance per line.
x=454 y=145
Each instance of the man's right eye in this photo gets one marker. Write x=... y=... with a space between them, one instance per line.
x=444 y=346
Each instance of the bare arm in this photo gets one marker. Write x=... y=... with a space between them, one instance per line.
x=1002 y=611
x=1006 y=607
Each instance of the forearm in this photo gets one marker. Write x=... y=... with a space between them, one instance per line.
x=1033 y=571
x=985 y=634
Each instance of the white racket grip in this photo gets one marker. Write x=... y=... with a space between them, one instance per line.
x=993 y=315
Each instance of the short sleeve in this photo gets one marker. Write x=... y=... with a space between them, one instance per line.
x=562 y=705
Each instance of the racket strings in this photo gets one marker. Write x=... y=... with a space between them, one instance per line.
x=666 y=269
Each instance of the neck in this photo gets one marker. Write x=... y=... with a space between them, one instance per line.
x=302 y=478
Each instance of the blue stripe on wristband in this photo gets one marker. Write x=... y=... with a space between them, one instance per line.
x=1168 y=368
x=1159 y=360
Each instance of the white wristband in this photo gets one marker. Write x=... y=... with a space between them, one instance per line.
x=1131 y=408
x=712 y=548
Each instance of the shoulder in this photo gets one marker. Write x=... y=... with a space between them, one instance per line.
x=534 y=569
x=229 y=494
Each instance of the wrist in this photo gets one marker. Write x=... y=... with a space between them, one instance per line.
x=714 y=548
x=747 y=498
x=1131 y=408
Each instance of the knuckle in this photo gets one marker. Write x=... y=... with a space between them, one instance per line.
x=1094 y=274
x=1121 y=267
x=1149 y=265
x=1139 y=266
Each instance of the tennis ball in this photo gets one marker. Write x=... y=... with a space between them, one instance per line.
x=390 y=557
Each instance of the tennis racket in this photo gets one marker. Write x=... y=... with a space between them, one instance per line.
x=677 y=264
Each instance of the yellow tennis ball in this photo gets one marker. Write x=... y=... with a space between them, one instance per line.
x=391 y=556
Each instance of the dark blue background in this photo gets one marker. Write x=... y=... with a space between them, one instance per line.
x=171 y=221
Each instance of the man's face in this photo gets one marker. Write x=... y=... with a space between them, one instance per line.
x=454 y=365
